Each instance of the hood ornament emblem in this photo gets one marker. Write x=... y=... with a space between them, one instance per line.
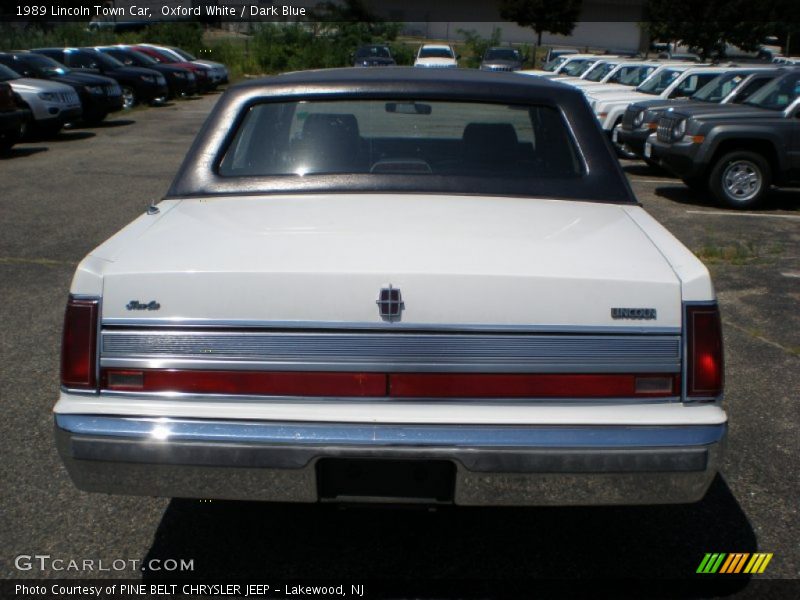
x=390 y=303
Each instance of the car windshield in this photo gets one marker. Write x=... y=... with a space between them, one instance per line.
x=373 y=52
x=598 y=71
x=401 y=138
x=130 y=57
x=159 y=56
x=659 y=82
x=435 y=53
x=718 y=88
x=109 y=62
x=184 y=54
x=7 y=74
x=555 y=63
x=630 y=75
x=777 y=94
x=43 y=65
x=501 y=54
x=576 y=67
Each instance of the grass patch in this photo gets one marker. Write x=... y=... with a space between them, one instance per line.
x=738 y=253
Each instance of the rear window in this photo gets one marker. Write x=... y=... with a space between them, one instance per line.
x=399 y=137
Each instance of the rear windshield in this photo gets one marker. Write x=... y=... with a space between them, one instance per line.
x=400 y=137
x=501 y=54
x=435 y=52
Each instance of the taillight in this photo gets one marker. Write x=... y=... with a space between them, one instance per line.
x=704 y=359
x=79 y=344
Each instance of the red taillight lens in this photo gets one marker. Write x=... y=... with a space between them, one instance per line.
x=79 y=344
x=704 y=351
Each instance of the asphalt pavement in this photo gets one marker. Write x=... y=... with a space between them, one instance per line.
x=61 y=198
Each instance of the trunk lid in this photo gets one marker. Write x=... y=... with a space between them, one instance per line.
x=322 y=259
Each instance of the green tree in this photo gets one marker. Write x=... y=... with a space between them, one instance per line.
x=542 y=15
x=707 y=26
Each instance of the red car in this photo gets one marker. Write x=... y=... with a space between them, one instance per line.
x=204 y=83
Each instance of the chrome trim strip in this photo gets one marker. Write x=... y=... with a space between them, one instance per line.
x=383 y=326
x=395 y=352
x=505 y=436
x=190 y=397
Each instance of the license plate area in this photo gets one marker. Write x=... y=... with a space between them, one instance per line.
x=385 y=480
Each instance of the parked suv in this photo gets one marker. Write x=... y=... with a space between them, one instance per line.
x=641 y=118
x=138 y=84
x=372 y=55
x=51 y=104
x=99 y=95
x=501 y=59
x=735 y=150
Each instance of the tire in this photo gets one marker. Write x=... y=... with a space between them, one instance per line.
x=740 y=179
x=622 y=152
x=129 y=99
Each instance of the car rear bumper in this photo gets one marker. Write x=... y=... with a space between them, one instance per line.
x=492 y=464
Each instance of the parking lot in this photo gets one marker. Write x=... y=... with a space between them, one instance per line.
x=61 y=198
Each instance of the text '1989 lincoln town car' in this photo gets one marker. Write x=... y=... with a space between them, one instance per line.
x=395 y=284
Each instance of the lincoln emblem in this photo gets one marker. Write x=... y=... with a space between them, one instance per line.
x=390 y=303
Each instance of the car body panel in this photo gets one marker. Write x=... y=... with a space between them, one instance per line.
x=233 y=278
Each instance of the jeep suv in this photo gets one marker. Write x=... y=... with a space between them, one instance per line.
x=735 y=150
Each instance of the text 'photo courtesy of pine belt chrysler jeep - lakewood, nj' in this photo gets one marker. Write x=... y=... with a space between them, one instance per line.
x=398 y=285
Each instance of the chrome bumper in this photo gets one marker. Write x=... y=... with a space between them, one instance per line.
x=494 y=465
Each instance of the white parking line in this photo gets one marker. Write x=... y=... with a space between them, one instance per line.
x=665 y=180
x=795 y=274
x=723 y=213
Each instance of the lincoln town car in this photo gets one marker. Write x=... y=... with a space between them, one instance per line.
x=398 y=284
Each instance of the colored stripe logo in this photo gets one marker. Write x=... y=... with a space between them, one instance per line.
x=735 y=562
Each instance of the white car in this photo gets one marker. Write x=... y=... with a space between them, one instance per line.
x=620 y=76
x=562 y=63
x=436 y=56
x=668 y=83
x=395 y=285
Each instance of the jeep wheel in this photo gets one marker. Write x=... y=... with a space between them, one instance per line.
x=740 y=179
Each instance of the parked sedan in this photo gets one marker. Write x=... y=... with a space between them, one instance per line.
x=99 y=95
x=202 y=73
x=219 y=71
x=538 y=337
x=180 y=82
x=139 y=85
x=52 y=105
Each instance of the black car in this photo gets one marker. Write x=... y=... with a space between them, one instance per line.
x=138 y=84
x=735 y=151
x=373 y=55
x=501 y=59
x=180 y=81
x=99 y=95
